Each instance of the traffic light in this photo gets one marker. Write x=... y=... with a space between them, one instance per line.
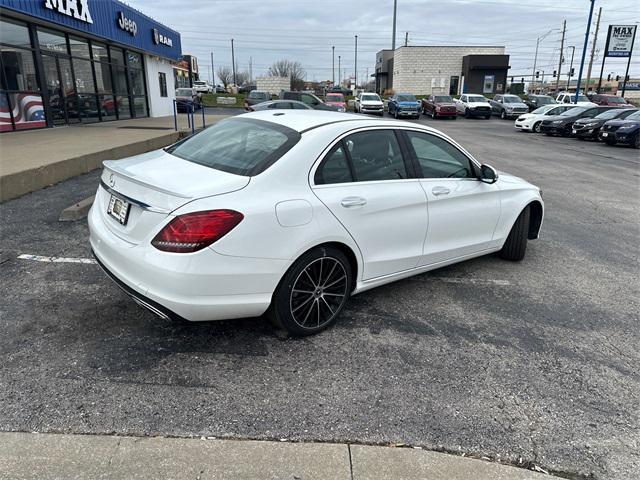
x=609 y=78
x=511 y=79
x=573 y=72
x=537 y=75
x=617 y=78
x=522 y=80
x=555 y=73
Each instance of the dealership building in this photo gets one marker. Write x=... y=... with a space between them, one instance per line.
x=80 y=61
x=449 y=70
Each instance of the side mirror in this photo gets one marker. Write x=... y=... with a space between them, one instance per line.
x=488 y=174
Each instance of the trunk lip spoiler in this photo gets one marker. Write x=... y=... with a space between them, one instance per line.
x=133 y=201
x=112 y=166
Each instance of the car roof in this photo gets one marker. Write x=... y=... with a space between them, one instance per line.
x=303 y=120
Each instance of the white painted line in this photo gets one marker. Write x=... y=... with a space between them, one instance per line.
x=40 y=258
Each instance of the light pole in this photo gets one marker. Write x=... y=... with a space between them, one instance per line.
x=584 y=50
x=356 y=62
x=333 y=64
x=573 y=51
x=339 y=71
x=535 y=59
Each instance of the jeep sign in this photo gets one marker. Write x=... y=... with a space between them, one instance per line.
x=620 y=40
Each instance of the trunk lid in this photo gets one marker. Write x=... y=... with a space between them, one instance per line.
x=154 y=184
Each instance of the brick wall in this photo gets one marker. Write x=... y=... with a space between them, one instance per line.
x=273 y=85
x=426 y=70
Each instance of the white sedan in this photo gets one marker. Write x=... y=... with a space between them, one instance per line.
x=291 y=212
x=530 y=122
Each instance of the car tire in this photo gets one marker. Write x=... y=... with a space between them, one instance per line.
x=395 y=114
x=466 y=113
x=636 y=141
x=305 y=284
x=516 y=245
x=488 y=117
x=503 y=115
x=536 y=127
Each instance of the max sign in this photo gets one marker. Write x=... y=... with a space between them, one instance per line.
x=127 y=24
x=620 y=40
x=78 y=9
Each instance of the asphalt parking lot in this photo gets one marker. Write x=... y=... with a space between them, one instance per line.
x=531 y=363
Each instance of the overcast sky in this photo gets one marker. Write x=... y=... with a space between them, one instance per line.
x=305 y=30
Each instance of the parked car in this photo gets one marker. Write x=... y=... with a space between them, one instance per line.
x=625 y=131
x=568 y=97
x=202 y=87
x=279 y=105
x=439 y=106
x=531 y=122
x=369 y=103
x=336 y=100
x=309 y=98
x=404 y=105
x=255 y=97
x=340 y=89
x=472 y=105
x=507 y=106
x=246 y=88
x=562 y=124
x=220 y=89
x=188 y=98
x=336 y=212
x=610 y=100
x=536 y=101
x=589 y=128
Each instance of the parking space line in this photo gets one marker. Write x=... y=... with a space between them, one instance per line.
x=40 y=258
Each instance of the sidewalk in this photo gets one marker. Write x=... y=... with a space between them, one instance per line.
x=31 y=160
x=87 y=457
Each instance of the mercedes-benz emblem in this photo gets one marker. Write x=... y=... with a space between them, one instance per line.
x=112 y=180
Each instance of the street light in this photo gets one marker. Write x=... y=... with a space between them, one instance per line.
x=333 y=64
x=535 y=59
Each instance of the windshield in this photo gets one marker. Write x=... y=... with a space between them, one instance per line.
x=610 y=114
x=241 y=146
x=335 y=97
x=184 y=92
x=511 y=99
x=574 y=111
x=581 y=98
x=370 y=98
x=406 y=98
x=443 y=99
x=476 y=99
x=634 y=116
x=258 y=95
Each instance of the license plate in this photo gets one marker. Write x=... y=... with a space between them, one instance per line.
x=573 y=131
x=605 y=134
x=119 y=209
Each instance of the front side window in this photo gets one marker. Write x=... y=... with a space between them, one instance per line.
x=334 y=168
x=240 y=146
x=438 y=158
x=376 y=155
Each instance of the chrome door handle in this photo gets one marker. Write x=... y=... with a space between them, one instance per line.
x=440 y=191
x=350 y=202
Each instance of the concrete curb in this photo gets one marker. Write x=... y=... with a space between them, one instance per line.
x=21 y=183
x=54 y=456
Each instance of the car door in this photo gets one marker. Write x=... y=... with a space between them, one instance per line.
x=463 y=211
x=430 y=104
x=364 y=181
x=460 y=104
x=496 y=104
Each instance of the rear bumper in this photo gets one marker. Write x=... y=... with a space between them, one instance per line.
x=199 y=286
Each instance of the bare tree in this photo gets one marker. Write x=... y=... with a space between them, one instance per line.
x=288 y=68
x=225 y=74
x=242 y=77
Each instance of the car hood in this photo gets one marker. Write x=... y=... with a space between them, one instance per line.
x=336 y=104
x=371 y=102
x=409 y=104
x=590 y=120
x=478 y=104
x=514 y=105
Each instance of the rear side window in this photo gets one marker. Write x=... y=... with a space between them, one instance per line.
x=376 y=155
x=438 y=158
x=241 y=146
x=334 y=168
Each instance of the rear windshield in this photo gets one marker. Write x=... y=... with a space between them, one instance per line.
x=241 y=146
x=184 y=92
x=258 y=95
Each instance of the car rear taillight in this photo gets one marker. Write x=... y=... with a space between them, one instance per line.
x=194 y=231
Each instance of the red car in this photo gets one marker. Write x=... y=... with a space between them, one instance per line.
x=336 y=100
x=439 y=106
x=608 y=100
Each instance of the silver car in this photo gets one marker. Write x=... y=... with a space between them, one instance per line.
x=508 y=106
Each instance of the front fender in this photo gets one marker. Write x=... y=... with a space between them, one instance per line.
x=513 y=202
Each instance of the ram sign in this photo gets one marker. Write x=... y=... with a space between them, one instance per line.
x=620 y=40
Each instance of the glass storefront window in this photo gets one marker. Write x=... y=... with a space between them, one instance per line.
x=88 y=108
x=137 y=81
x=120 y=76
x=19 y=70
x=117 y=56
x=99 y=51
x=123 y=107
x=52 y=40
x=84 y=76
x=79 y=47
x=108 y=107
x=14 y=33
x=103 y=77
x=134 y=60
x=140 y=106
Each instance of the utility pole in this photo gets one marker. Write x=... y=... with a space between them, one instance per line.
x=593 y=50
x=406 y=39
x=584 y=49
x=213 y=72
x=250 y=71
x=573 y=51
x=356 y=64
x=564 y=30
x=333 y=65
x=339 y=70
x=233 y=63
x=393 y=35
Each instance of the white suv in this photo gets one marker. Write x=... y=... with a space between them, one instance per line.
x=566 y=97
x=473 y=105
x=369 y=103
x=202 y=87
